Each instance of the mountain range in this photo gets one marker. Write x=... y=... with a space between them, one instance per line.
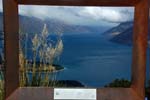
x=35 y=25
x=123 y=33
x=119 y=34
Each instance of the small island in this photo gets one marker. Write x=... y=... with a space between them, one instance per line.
x=41 y=67
x=40 y=76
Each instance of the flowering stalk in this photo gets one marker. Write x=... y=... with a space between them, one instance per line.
x=46 y=52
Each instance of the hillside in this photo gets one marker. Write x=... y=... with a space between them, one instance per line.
x=121 y=33
x=34 y=25
x=122 y=27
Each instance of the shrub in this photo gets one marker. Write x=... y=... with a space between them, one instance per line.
x=119 y=83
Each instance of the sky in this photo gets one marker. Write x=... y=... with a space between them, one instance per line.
x=95 y=16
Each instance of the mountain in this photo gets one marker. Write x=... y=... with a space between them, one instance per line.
x=121 y=33
x=121 y=28
x=124 y=37
x=35 y=25
x=30 y=24
x=57 y=25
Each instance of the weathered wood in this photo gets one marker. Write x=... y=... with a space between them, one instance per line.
x=42 y=93
x=11 y=45
x=117 y=94
x=29 y=93
x=139 y=48
x=80 y=2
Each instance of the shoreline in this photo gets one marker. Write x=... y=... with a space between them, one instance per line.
x=54 y=68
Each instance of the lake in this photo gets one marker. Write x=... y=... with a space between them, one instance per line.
x=93 y=60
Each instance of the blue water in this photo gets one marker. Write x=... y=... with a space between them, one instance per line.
x=93 y=60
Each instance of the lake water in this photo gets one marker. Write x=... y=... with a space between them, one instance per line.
x=93 y=60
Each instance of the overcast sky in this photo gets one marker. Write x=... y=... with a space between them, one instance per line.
x=79 y=15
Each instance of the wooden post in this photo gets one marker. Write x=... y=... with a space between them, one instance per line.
x=139 y=48
x=11 y=45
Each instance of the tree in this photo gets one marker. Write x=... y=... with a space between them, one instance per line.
x=119 y=83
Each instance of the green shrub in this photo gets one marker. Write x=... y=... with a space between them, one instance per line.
x=119 y=83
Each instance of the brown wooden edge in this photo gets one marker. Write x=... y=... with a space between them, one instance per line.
x=140 y=38
x=80 y=2
x=11 y=28
x=11 y=45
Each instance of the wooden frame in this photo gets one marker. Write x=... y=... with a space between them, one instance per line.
x=135 y=92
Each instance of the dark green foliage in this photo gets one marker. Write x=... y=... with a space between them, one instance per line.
x=68 y=83
x=119 y=83
x=147 y=90
x=126 y=84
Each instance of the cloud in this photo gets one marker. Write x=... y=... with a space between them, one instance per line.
x=109 y=14
x=1 y=7
x=79 y=15
x=67 y=14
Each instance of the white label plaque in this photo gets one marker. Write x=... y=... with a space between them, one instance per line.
x=74 y=94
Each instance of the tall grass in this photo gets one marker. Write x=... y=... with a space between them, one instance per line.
x=2 y=78
x=42 y=71
x=1 y=86
x=2 y=91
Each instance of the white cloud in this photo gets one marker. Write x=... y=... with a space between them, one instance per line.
x=79 y=15
x=109 y=14
x=1 y=7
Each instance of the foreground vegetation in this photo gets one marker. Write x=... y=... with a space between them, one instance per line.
x=126 y=84
x=1 y=86
x=40 y=70
x=119 y=83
